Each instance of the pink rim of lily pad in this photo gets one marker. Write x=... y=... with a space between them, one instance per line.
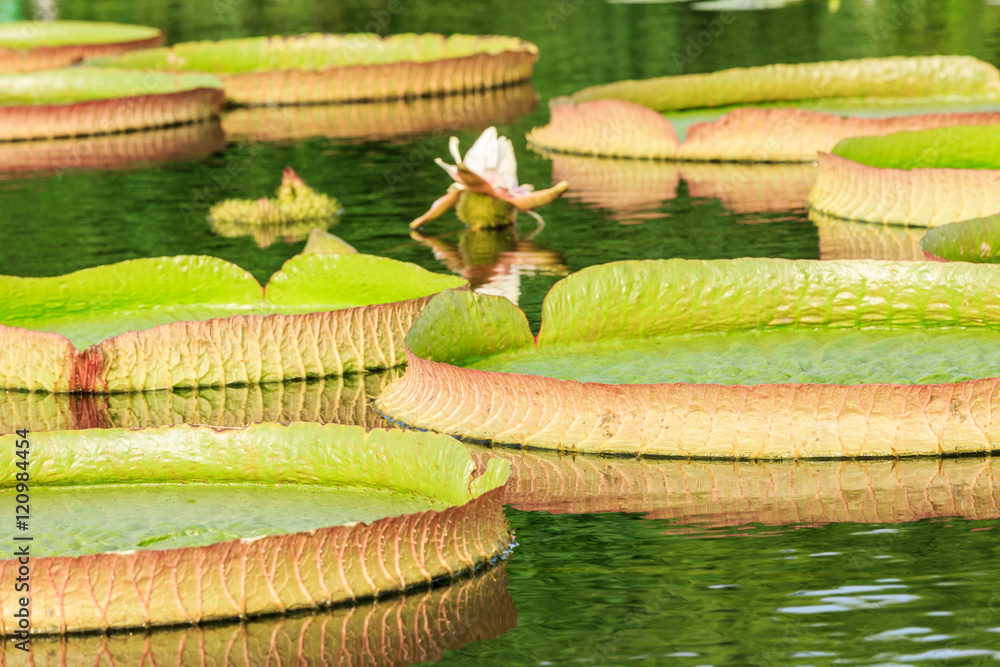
x=269 y=574
x=85 y=101
x=617 y=128
x=739 y=421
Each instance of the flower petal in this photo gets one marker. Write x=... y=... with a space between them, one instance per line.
x=476 y=183
x=453 y=147
x=440 y=205
x=536 y=199
x=483 y=155
x=450 y=168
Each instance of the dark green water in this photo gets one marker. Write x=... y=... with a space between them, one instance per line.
x=589 y=588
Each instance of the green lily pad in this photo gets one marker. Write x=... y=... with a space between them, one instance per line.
x=717 y=358
x=38 y=45
x=976 y=241
x=331 y=513
x=339 y=68
x=196 y=321
x=77 y=101
x=32 y=34
x=957 y=147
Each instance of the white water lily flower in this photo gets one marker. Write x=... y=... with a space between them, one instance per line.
x=489 y=168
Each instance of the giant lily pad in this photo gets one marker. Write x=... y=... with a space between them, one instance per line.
x=399 y=631
x=617 y=128
x=749 y=358
x=897 y=78
x=197 y=321
x=78 y=101
x=283 y=518
x=345 y=68
x=925 y=179
x=33 y=45
x=735 y=493
x=623 y=119
x=337 y=400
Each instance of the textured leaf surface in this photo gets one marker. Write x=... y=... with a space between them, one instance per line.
x=639 y=301
x=399 y=631
x=617 y=128
x=926 y=197
x=899 y=76
x=340 y=68
x=801 y=357
x=123 y=517
x=976 y=241
x=275 y=573
x=320 y=315
x=739 y=493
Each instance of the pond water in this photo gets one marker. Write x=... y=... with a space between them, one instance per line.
x=603 y=584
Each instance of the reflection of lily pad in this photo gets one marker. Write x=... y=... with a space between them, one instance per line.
x=632 y=190
x=345 y=68
x=740 y=493
x=924 y=179
x=199 y=321
x=264 y=235
x=845 y=239
x=346 y=515
x=751 y=358
x=110 y=151
x=370 y=121
x=33 y=45
x=399 y=631
x=338 y=400
x=78 y=101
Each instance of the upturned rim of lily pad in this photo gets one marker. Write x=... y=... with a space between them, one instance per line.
x=319 y=315
x=36 y=45
x=922 y=178
x=624 y=119
x=83 y=101
x=315 y=68
x=270 y=574
x=656 y=298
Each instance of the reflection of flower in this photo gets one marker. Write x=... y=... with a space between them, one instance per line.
x=494 y=260
x=485 y=188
